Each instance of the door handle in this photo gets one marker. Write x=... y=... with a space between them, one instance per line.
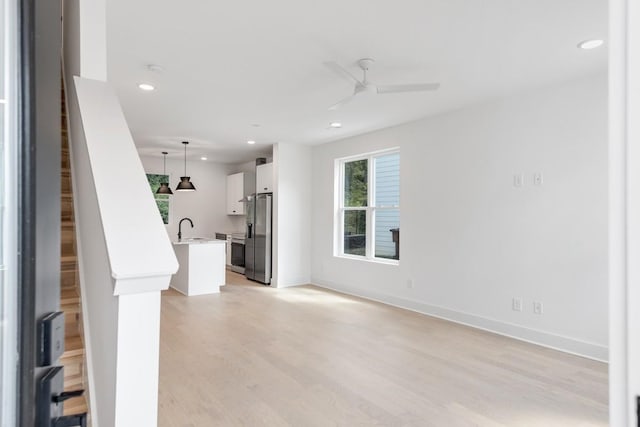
x=249 y=228
x=50 y=401
x=66 y=395
x=78 y=420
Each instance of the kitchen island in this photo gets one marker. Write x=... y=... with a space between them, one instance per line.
x=202 y=266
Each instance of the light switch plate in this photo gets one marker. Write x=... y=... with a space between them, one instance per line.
x=518 y=180
x=538 y=308
x=516 y=304
x=538 y=178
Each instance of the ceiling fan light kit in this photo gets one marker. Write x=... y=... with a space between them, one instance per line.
x=365 y=85
x=185 y=184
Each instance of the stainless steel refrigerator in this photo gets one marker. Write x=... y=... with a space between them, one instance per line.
x=257 y=263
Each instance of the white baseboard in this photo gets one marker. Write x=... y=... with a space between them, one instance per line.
x=299 y=281
x=522 y=333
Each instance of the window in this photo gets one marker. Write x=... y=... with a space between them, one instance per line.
x=162 y=200
x=369 y=206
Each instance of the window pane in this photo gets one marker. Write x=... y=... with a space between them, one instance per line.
x=387 y=173
x=355 y=232
x=387 y=233
x=355 y=183
x=155 y=180
x=161 y=199
x=163 y=207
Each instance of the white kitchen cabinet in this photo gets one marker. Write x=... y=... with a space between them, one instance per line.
x=239 y=185
x=264 y=178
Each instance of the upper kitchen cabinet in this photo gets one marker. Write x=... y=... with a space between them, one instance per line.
x=264 y=178
x=239 y=185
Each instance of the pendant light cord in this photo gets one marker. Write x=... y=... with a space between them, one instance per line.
x=185 y=159
x=164 y=169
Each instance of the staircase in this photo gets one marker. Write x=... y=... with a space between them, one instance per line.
x=73 y=359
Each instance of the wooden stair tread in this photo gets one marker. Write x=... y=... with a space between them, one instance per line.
x=73 y=382
x=71 y=309
x=69 y=280
x=68 y=258
x=76 y=405
x=73 y=346
x=69 y=295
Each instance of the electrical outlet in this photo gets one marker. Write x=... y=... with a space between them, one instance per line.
x=538 y=179
x=410 y=283
x=538 y=308
x=516 y=304
x=518 y=180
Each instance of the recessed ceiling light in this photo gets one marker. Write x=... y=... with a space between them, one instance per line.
x=335 y=125
x=590 y=44
x=255 y=125
x=203 y=158
x=146 y=86
x=251 y=142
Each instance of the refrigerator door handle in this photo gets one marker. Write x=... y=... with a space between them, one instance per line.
x=267 y=267
x=249 y=228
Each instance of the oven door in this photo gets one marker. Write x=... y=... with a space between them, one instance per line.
x=237 y=256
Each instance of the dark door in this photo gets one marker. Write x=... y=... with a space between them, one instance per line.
x=38 y=187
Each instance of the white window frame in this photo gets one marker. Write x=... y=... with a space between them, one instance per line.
x=370 y=209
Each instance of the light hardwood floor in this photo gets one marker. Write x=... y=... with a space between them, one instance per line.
x=304 y=356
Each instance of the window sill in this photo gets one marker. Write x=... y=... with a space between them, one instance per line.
x=372 y=260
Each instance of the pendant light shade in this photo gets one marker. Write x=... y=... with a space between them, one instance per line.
x=164 y=186
x=185 y=184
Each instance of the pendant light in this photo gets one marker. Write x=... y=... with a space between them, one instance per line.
x=164 y=186
x=185 y=184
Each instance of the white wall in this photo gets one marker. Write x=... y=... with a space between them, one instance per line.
x=206 y=206
x=244 y=167
x=85 y=38
x=470 y=240
x=291 y=214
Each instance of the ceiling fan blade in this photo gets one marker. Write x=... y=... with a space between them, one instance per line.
x=341 y=71
x=384 y=89
x=341 y=103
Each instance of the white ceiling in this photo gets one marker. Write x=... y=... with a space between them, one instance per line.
x=230 y=65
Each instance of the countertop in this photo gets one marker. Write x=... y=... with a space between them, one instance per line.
x=199 y=241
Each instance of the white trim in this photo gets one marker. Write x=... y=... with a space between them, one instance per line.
x=621 y=404
x=557 y=342
x=9 y=212
x=632 y=145
x=364 y=259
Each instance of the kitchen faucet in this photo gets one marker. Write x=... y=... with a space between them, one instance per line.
x=180 y=227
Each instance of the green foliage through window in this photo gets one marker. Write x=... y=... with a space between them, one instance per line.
x=162 y=200
x=355 y=183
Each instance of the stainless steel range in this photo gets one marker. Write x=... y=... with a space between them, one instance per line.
x=238 y=252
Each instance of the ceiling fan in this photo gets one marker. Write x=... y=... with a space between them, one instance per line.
x=362 y=86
